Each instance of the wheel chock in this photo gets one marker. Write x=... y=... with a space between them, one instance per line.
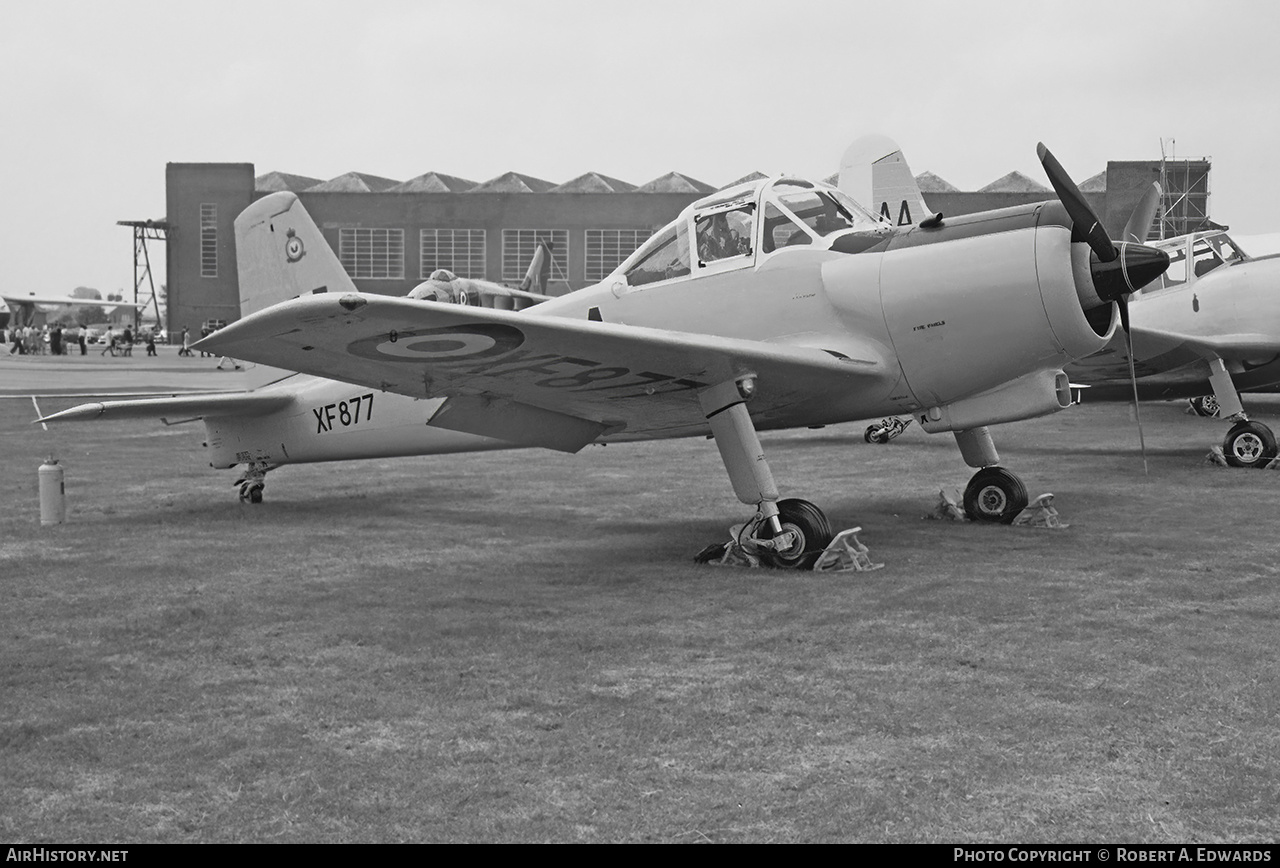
x=948 y=508
x=1040 y=513
x=1216 y=456
x=845 y=554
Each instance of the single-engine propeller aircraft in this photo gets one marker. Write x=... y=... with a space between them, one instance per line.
x=1207 y=330
x=772 y=304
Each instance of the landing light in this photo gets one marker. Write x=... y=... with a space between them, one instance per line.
x=747 y=387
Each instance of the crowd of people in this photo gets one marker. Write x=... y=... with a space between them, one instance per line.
x=54 y=340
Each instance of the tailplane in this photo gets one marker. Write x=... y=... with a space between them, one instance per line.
x=874 y=172
x=281 y=254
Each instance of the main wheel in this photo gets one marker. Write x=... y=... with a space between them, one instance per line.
x=994 y=495
x=813 y=535
x=1206 y=405
x=1249 y=444
x=872 y=434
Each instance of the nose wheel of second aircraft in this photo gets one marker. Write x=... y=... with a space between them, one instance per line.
x=994 y=495
x=1249 y=444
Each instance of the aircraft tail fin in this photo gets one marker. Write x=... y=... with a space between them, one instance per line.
x=876 y=175
x=281 y=254
x=1144 y=214
x=539 y=273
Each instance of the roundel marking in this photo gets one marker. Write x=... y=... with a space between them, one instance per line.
x=447 y=344
x=293 y=247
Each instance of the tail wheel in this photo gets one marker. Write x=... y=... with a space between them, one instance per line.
x=994 y=495
x=1249 y=444
x=813 y=534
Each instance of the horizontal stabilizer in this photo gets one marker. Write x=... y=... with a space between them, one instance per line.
x=196 y=404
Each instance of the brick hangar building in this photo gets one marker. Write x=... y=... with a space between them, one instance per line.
x=390 y=235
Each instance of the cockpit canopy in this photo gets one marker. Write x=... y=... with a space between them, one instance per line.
x=1193 y=256
x=732 y=227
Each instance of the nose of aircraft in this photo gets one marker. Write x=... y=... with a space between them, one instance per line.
x=1135 y=267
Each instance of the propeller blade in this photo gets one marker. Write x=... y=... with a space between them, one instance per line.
x=1144 y=213
x=1133 y=378
x=1085 y=223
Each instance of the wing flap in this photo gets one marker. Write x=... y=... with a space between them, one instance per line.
x=516 y=423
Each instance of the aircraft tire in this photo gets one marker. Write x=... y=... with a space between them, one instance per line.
x=871 y=435
x=1249 y=444
x=1205 y=405
x=994 y=495
x=815 y=535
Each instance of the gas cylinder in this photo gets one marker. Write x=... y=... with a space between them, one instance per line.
x=53 y=493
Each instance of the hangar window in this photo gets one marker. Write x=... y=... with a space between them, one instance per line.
x=208 y=239
x=518 y=246
x=458 y=250
x=606 y=249
x=372 y=254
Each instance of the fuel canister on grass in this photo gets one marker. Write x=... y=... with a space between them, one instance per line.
x=53 y=493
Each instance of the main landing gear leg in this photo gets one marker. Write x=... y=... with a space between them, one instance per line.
x=253 y=481
x=1247 y=444
x=993 y=494
x=789 y=534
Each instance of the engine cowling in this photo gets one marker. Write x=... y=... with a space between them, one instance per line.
x=979 y=301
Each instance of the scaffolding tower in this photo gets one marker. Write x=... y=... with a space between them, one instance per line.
x=1184 y=208
x=144 y=231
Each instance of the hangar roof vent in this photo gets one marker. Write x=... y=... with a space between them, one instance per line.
x=1015 y=182
x=674 y=182
x=274 y=182
x=433 y=182
x=753 y=176
x=354 y=182
x=513 y=182
x=1096 y=184
x=931 y=183
x=594 y=182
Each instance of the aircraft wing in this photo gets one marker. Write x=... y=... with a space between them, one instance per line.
x=196 y=404
x=1158 y=351
x=543 y=380
x=62 y=299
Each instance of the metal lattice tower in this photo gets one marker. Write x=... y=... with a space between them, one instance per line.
x=1185 y=205
x=144 y=231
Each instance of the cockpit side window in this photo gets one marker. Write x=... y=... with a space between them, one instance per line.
x=819 y=211
x=668 y=257
x=1227 y=249
x=780 y=230
x=1175 y=275
x=1204 y=257
x=724 y=234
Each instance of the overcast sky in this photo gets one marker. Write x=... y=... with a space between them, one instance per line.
x=97 y=97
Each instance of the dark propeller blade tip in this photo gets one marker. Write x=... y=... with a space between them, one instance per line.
x=1085 y=223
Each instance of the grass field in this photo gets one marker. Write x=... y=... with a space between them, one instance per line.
x=518 y=647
